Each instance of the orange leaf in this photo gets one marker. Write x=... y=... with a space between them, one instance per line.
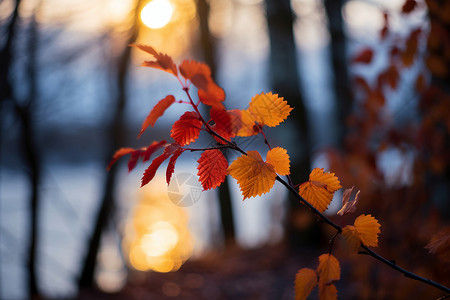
x=157 y=111
x=200 y=75
x=150 y=172
x=352 y=237
x=329 y=270
x=268 y=109
x=440 y=244
x=163 y=61
x=327 y=292
x=364 y=56
x=368 y=228
x=187 y=129
x=254 y=176
x=305 y=281
x=118 y=154
x=247 y=125
x=171 y=166
x=212 y=169
x=319 y=190
x=347 y=206
x=279 y=159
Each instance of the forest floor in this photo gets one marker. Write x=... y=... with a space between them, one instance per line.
x=235 y=273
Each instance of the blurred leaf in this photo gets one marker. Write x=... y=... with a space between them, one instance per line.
x=163 y=61
x=440 y=244
x=305 y=281
x=364 y=56
x=347 y=206
x=409 y=6
x=157 y=111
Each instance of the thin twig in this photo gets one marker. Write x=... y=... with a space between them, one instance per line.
x=392 y=264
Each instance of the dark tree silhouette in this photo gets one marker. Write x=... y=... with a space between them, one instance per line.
x=339 y=65
x=115 y=139
x=208 y=50
x=284 y=80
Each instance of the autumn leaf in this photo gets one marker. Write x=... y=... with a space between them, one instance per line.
x=118 y=154
x=222 y=124
x=319 y=190
x=200 y=75
x=352 y=237
x=163 y=61
x=364 y=56
x=279 y=159
x=368 y=228
x=212 y=169
x=157 y=111
x=254 y=176
x=268 y=109
x=305 y=281
x=171 y=166
x=187 y=129
x=440 y=244
x=347 y=205
x=327 y=292
x=247 y=125
x=150 y=172
x=329 y=269
x=144 y=152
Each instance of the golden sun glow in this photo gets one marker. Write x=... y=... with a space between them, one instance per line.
x=157 y=13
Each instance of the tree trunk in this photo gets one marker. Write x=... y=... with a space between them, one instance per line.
x=339 y=63
x=208 y=50
x=116 y=139
x=285 y=81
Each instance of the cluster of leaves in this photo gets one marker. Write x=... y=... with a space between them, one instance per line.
x=254 y=175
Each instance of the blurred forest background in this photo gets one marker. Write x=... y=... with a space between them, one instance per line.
x=369 y=80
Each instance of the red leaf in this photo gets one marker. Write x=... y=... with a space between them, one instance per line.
x=151 y=149
x=134 y=159
x=119 y=153
x=157 y=111
x=163 y=61
x=212 y=169
x=150 y=172
x=199 y=74
x=364 y=56
x=171 y=165
x=223 y=125
x=187 y=129
x=409 y=6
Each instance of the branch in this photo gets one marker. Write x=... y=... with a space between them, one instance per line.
x=392 y=264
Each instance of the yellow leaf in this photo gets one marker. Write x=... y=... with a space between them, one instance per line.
x=368 y=228
x=305 y=281
x=352 y=237
x=279 y=159
x=327 y=292
x=319 y=190
x=268 y=109
x=254 y=176
x=328 y=269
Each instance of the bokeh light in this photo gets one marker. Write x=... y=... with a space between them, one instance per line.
x=156 y=235
x=157 y=13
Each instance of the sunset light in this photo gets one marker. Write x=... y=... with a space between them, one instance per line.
x=157 y=13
